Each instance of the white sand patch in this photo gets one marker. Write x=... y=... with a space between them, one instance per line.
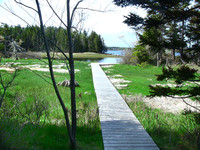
x=121 y=86
x=119 y=83
x=55 y=70
x=33 y=66
x=117 y=76
x=7 y=69
x=37 y=67
x=173 y=105
x=106 y=66
x=167 y=104
x=12 y=63
x=116 y=81
x=173 y=85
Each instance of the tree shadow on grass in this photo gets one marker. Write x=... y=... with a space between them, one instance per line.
x=174 y=140
x=51 y=137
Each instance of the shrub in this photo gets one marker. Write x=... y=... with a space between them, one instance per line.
x=139 y=56
x=127 y=57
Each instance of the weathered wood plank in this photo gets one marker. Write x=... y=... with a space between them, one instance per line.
x=120 y=128
x=129 y=148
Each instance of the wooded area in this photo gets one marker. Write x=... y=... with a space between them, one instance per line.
x=29 y=38
x=172 y=26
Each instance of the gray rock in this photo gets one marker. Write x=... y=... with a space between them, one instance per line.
x=66 y=83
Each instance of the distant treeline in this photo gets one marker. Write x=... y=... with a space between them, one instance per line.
x=119 y=48
x=29 y=38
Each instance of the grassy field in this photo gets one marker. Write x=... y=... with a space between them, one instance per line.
x=169 y=131
x=21 y=128
x=140 y=77
x=58 y=55
x=32 y=118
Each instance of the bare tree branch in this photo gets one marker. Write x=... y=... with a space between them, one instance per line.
x=73 y=12
x=90 y=9
x=26 y=6
x=63 y=55
x=190 y=105
x=48 y=19
x=15 y=15
x=29 y=14
x=5 y=87
x=56 y=14
x=39 y=75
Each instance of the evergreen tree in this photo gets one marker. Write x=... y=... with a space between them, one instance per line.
x=171 y=18
x=85 y=42
x=30 y=39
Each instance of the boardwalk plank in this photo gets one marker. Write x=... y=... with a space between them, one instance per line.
x=121 y=130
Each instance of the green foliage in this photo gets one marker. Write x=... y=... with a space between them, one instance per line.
x=96 y=43
x=1 y=47
x=30 y=39
x=152 y=37
x=140 y=54
x=184 y=73
x=171 y=25
x=181 y=76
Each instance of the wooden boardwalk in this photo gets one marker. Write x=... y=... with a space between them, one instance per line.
x=121 y=130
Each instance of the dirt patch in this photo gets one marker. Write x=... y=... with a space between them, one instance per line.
x=8 y=69
x=37 y=67
x=167 y=104
x=106 y=66
x=118 y=81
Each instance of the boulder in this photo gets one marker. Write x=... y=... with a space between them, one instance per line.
x=66 y=83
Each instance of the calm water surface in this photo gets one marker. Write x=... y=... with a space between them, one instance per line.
x=108 y=59
x=112 y=60
x=115 y=52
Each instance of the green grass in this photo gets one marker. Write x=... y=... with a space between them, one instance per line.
x=140 y=77
x=169 y=131
x=29 y=88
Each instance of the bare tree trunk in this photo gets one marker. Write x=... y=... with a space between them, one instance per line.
x=182 y=38
x=173 y=54
x=5 y=45
x=72 y=74
x=159 y=58
x=5 y=86
x=53 y=78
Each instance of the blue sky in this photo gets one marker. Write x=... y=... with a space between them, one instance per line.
x=108 y=24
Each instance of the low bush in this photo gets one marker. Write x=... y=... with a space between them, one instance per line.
x=138 y=56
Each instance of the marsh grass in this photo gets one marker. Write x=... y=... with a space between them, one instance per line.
x=50 y=131
x=169 y=131
x=58 y=55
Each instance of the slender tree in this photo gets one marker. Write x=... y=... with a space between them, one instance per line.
x=71 y=130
